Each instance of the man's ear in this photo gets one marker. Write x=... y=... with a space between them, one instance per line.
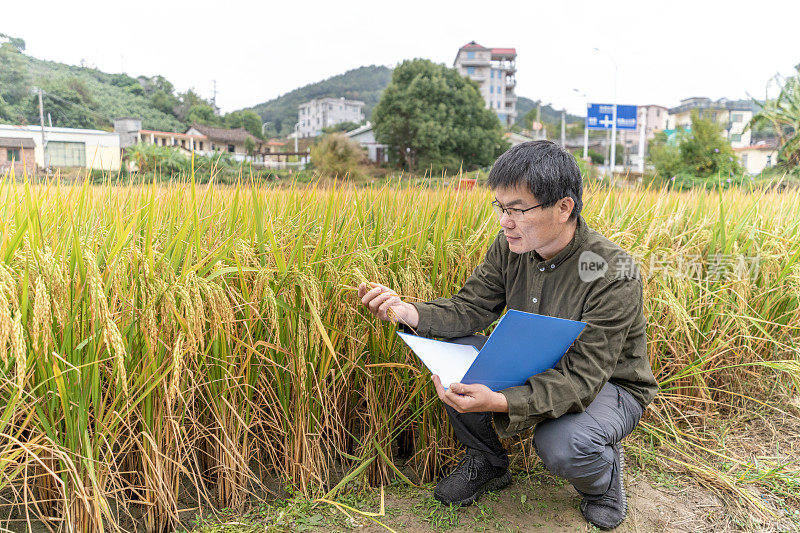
x=565 y=207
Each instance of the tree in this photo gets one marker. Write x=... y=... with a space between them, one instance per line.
x=432 y=117
x=70 y=103
x=250 y=146
x=701 y=152
x=202 y=114
x=341 y=127
x=337 y=155
x=15 y=82
x=783 y=115
x=706 y=152
x=246 y=119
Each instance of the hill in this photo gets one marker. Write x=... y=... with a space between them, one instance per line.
x=74 y=96
x=84 y=97
x=364 y=83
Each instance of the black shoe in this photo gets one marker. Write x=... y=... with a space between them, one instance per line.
x=473 y=476
x=609 y=510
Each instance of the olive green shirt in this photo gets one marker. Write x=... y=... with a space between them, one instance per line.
x=592 y=280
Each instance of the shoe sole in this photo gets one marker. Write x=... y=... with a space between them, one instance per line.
x=493 y=484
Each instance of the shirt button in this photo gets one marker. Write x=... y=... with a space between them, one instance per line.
x=552 y=266
x=541 y=268
x=534 y=300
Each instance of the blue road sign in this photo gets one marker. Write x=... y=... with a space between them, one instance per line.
x=601 y=117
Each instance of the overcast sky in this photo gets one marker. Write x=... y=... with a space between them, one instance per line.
x=665 y=51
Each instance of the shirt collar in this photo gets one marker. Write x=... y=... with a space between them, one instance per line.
x=545 y=265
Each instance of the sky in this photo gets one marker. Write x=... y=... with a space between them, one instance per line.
x=256 y=51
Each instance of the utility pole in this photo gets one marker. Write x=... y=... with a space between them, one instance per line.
x=642 y=126
x=44 y=139
x=214 y=97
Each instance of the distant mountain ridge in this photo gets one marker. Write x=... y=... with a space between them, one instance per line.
x=84 y=97
x=366 y=84
x=363 y=83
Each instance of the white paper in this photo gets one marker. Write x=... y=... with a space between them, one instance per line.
x=447 y=360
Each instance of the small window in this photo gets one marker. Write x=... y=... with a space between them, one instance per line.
x=231 y=148
x=769 y=160
x=12 y=153
x=183 y=143
x=491 y=89
x=736 y=117
x=470 y=55
x=470 y=70
x=736 y=137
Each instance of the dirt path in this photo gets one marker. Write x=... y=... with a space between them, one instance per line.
x=530 y=505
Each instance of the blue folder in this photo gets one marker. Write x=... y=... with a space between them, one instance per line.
x=521 y=345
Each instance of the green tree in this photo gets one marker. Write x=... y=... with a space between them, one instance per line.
x=15 y=82
x=706 y=152
x=783 y=116
x=341 y=127
x=246 y=119
x=250 y=146
x=337 y=155
x=665 y=156
x=70 y=102
x=702 y=152
x=432 y=117
x=202 y=114
x=164 y=101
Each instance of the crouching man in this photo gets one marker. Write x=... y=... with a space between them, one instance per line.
x=544 y=260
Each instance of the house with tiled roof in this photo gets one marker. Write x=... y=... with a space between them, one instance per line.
x=227 y=140
x=494 y=70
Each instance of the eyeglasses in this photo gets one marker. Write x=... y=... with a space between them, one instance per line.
x=512 y=212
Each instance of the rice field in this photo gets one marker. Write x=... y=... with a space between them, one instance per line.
x=165 y=343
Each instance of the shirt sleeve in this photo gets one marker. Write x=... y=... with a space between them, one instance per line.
x=587 y=365
x=476 y=306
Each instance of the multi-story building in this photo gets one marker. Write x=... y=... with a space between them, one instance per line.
x=653 y=118
x=733 y=115
x=493 y=69
x=321 y=113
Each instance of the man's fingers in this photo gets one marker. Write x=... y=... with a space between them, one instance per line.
x=384 y=307
x=454 y=400
x=437 y=384
x=370 y=294
x=461 y=388
x=376 y=302
x=362 y=289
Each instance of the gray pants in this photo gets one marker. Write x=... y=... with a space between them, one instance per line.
x=575 y=446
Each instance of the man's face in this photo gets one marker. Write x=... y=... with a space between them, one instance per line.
x=537 y=230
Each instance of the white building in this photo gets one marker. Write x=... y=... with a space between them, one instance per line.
x=376 y=152
x=321 y=113
x=757 y=157
x=494 y=70
x=70 y=147
x=732 y=115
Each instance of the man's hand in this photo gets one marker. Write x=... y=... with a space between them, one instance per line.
x=379 y=299
x=473 y=398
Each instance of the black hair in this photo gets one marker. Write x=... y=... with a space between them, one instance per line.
x=543 y=167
